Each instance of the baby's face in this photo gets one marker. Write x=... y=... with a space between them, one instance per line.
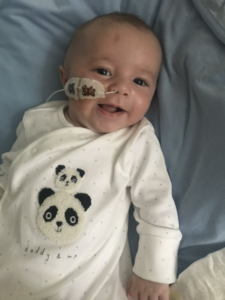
x=122 y=58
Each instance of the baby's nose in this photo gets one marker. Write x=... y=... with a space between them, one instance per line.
x=122 y=86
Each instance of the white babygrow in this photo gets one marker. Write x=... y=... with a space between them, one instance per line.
x=119 y=167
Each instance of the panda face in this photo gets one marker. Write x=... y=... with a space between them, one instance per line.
x=61 y=218
x=67 y=179
x=70 y=216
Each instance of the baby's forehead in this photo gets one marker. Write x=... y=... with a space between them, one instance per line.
x=96 y=32
x=103 y=32
x=100 y=27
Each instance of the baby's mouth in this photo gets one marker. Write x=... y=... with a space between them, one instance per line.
x=110 y=108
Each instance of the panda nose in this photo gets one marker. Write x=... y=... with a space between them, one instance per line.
x=59 y=223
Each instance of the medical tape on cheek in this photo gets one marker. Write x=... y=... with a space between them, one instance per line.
x=84 y=88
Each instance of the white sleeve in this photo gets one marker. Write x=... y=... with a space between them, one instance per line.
x=155 y=211
x=7 y=158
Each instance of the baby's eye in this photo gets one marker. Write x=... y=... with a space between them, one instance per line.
x=103 y=72
x=139 y=81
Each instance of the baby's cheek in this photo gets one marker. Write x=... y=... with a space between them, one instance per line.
x=82 y=107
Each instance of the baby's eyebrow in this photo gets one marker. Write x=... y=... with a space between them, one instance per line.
x=152 y=75
x=148 y=73
x=96 y=59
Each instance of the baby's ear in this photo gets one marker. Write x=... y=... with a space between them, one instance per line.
x=81 y=172
x=43 y=194
x=63 y=75
x=59 y=169
x=84 y=199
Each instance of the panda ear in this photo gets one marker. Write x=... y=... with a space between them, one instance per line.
x=81 y=172
x=43 y=194
x=59 y=169
x=84 y=199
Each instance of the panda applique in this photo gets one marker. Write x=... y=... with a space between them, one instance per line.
x=68 y=179
x=61 y=216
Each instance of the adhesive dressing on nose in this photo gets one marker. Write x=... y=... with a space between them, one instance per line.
x=83 y=88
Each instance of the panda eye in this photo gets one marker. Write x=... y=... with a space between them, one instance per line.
x=63 y=177
x=71 y=216
x=73 y=220
x=50 y=213
x=74 y=179
x=48 y=216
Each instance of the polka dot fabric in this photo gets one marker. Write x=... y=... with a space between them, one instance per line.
x=119 y=167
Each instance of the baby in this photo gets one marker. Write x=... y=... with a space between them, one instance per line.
x=69 y=179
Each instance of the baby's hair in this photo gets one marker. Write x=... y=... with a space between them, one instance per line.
x=116 y=17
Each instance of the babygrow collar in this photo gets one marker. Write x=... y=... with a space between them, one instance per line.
x=83 y=88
